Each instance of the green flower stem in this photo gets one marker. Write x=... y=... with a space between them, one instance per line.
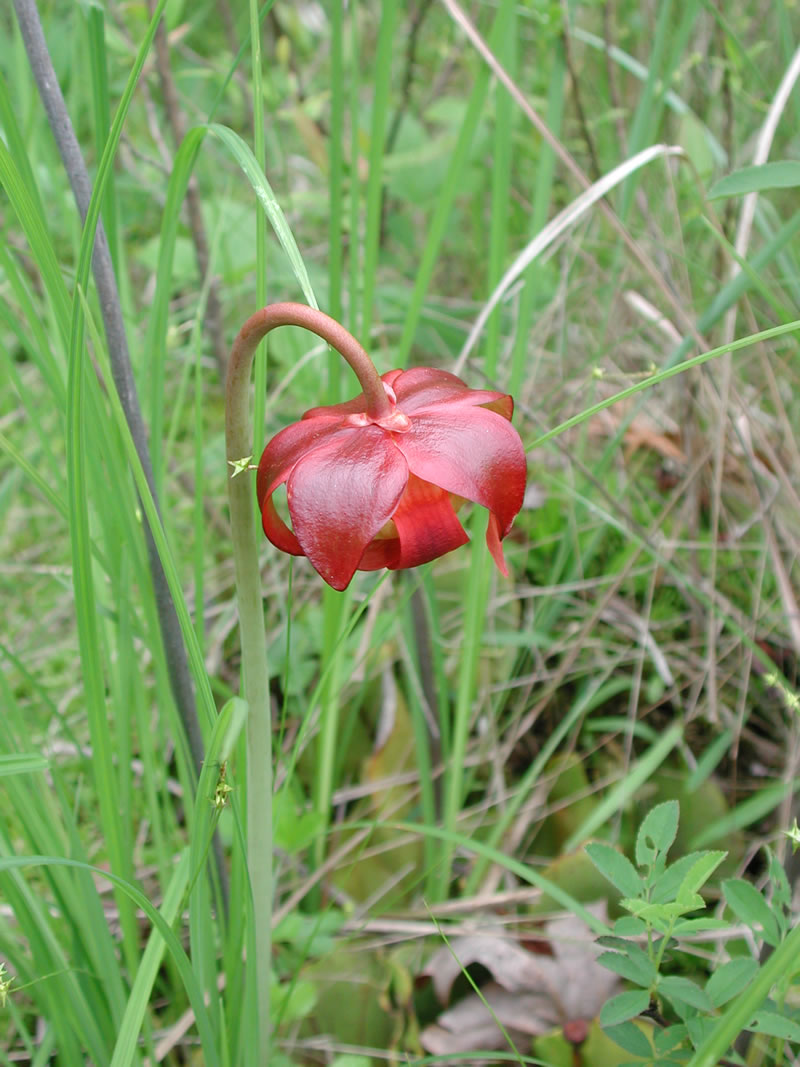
x=288 y=314
x=238 y=443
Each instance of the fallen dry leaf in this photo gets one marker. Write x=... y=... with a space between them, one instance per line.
x=531 y=993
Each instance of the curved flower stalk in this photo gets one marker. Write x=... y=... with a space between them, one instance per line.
x=368 y=490
x=375 y=482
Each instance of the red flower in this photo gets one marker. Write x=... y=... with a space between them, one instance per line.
x=365 y=492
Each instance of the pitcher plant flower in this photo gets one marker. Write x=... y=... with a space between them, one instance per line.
x=368 y=489
x=371 y=483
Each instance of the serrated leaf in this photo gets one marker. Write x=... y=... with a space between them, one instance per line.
x=691 y=927
x=624 y=1006
x=730 y=979
x=609 y=941
x=699 y=872
x=667 y=1039
x=774 y=1025
x=657 y=832
x=689 y=902
x=629 y=967
x=685 y=991
x=781 y=174
x=749 y=905
x=629 y=926
x=628 y=1036
x=653 y=914
x=617 y=868
x=666 y=886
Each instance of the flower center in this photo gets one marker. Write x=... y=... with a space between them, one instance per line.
x=394 y=422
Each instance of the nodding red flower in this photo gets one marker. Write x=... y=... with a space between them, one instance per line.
x=366 y=492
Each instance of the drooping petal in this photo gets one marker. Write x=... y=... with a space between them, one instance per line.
x=276 y=529
x=286 y=448
x=473 y=453
x=494 y=544
x=424 y=388
x=341 y=494
x=427 y=525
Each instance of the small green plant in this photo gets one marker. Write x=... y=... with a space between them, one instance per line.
x=671 y=1018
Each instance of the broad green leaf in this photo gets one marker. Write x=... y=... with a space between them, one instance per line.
x=629 y=926
x=623 y=1007
x=782 y=174
x=699 y=873
x=617 y=868
x=670 y=1038
x=729 y=979
x=634 y=970
x=657 y=832
x=747 y=904
x=665 y=887
x=713 y=1044
x=691 y=927
x=775 y=1025
x=685 y=991
x=628 y=1036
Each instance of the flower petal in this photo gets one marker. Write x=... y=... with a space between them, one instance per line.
x=350 y=407
x=494 y=545
x=424 y=388
x=476 y=454
x=341 y=494
x=426 y=523
x=277 y=531
x=286 y=448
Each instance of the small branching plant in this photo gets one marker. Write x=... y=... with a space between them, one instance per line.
x=742 y=1011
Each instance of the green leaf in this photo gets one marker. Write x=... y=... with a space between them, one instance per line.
x=684 y=991
x=624 y=1006
x=629 y=926
x=691 y=927
x=666 y=886
x=243 y=155
x=775 y=1025
x=628 y=1036
x=617 y=868
x=749 y=905
x=699 y=873
x=24 y=763
x=657 y=832
x=782 y=174
x=670 y=1038
x=730 y=979
x=643 y=973
x=653 y=914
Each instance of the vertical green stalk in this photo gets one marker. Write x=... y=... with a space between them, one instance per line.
x=238 y=445
x=260 y=152
x=451 y=186
x=542 y=196
x=355 y=181
x=505 y=111
x=380 y=107
x=475 y=612
x=335 y=174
